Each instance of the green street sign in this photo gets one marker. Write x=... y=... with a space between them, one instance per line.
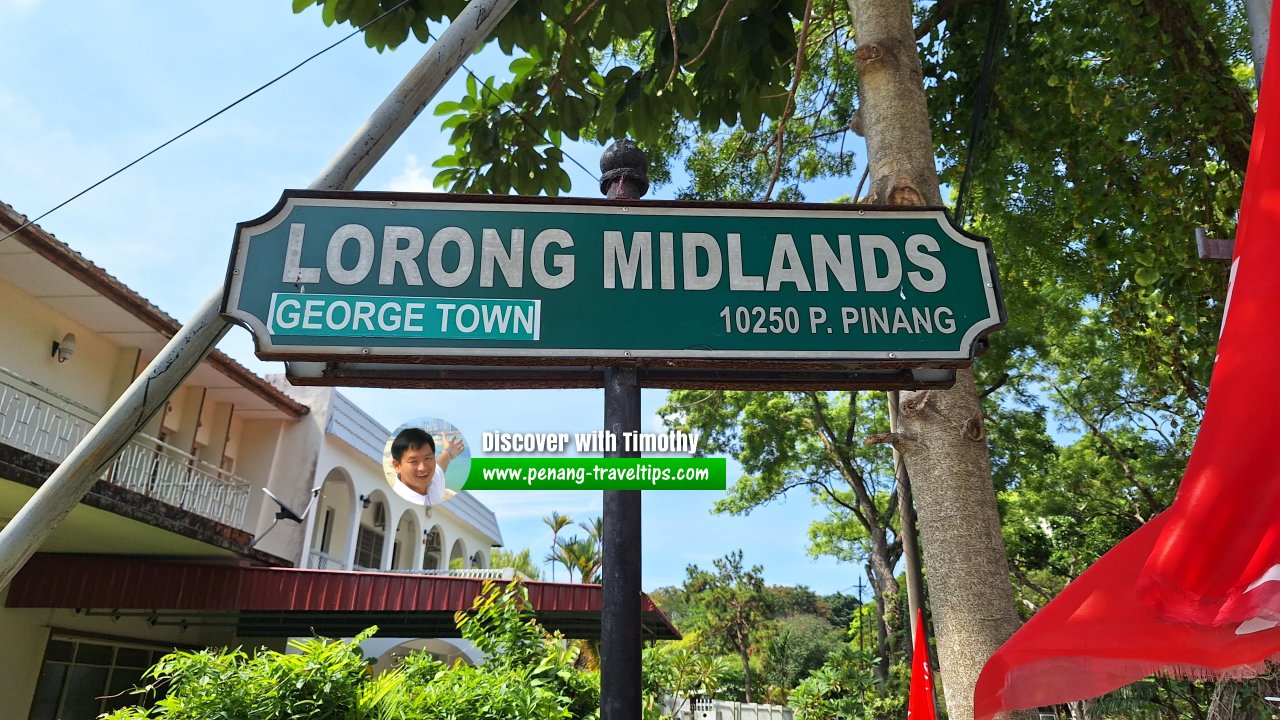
x=490 y=281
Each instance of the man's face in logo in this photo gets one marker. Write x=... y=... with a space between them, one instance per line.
x=416 y=468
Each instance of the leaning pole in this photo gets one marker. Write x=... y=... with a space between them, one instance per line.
x=69 y=483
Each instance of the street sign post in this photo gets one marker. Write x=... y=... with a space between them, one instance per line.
x=549 y=289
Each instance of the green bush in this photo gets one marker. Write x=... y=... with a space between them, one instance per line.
x=528 y=674
x=845 y=689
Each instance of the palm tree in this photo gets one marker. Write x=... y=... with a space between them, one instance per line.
x=521 y=562
x=594 y=528
x=556 y=522
x=584 y=554
x=560 y=556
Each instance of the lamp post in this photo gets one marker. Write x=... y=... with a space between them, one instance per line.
x=624 y=177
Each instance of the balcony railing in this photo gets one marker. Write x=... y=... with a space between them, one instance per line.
x=38 y=420
x=480 y=573
x=321 y=560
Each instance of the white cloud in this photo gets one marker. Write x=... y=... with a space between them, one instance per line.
x=413 y=178
x=511 y=505
x=18 y=6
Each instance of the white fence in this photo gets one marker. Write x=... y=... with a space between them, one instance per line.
x=38 y=420
x=703 y=708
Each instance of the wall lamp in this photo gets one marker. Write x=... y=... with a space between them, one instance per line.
x=365 y=500
x=63 y=349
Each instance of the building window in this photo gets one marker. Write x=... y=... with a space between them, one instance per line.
x=326 y=530
x=81 y=679
x=431 y=557
x=369 y=548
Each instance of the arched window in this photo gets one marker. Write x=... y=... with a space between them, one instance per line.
x=369 y=539
x=332 y=519
x=433 y=546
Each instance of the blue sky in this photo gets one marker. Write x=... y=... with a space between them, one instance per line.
x=89 y=87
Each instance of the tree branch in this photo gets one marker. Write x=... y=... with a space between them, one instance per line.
x=715 y=30
x=1000 y=382
x=791 y=100
x=675 y=45
x=939 y=13
x=889 y=438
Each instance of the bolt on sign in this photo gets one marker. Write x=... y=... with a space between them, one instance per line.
x=679 y=288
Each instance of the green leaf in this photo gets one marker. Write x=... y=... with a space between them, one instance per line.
x=1146 y=276
x=521 y=67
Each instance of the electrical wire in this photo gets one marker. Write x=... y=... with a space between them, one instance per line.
x=982 y=103
x=189 y=130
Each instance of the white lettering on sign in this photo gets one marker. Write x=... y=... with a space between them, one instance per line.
x=737 y=280
x=925 y=261
x=405 y=258
x=627 y=264
x=287 y=314
x=493 y=254
x=826 y=263
x=524 y=442
x=337 y=245
x=435 y=257
x=872 y=280
x=452 y=257
x=293 y=270
x=563 y=262
x=401 y=258
x=785 y=266
x=691 y=244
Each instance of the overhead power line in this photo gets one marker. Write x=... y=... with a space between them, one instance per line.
x=189 y=130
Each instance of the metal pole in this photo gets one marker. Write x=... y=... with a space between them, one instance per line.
x=861 y=619
x=624 y=169
x=1259 y=12
x=69 y=483
x=907 y=521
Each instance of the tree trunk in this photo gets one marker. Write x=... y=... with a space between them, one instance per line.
x=886 y=587
x=1083 y=709
x=1222 y=706
x=746 y=670
x=882 y=641
x=944 y=445
x=969 y=589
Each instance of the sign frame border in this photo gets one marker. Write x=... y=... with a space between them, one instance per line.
x=497 y=357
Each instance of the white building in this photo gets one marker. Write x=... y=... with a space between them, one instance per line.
x=359 y=524
x=187 y=488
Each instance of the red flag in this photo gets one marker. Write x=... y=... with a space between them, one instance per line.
x=1196 y=591
x=920 y=705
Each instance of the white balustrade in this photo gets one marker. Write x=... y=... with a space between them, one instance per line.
x=321 y=560
x=40 y=421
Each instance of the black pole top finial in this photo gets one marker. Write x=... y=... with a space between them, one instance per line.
x=626 y=164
